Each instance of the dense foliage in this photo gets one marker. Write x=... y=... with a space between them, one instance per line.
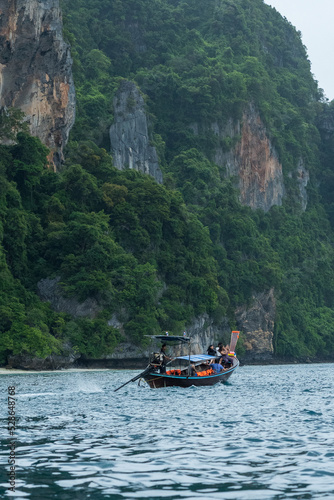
x=116 y=237
x=157 y=256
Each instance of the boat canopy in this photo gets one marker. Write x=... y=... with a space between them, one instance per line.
x=196 y=357
x=170 y=338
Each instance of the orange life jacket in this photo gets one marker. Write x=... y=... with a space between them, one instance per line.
x=173 y=372
x=205 y=373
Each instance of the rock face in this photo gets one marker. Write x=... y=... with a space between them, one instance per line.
x=260 y=173
x=203 y=332
x=303 y=178
x=257 y=324
x=53 y=362
x=253 y=161
x=50 y=291
x=36 y=70
x=129 y=137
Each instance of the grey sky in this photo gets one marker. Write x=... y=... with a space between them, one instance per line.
x=314 y=19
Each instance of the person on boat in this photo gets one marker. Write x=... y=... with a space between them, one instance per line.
x=165 y=358
x=218 y=349
x=192 y=371
x=217 y=367
x=211 y=350
x=223 y=349
x=163 y=352
x=225 y=359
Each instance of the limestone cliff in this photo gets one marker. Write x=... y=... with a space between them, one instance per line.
x=253 y=161
x=260 y=172
x=36 y=70
x=129 y=137
x=256 y=322
x=302 y=178
x=203 y=331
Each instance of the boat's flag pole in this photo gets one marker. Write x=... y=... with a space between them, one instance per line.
x=233 y=343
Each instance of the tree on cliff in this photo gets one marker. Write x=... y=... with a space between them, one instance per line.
x=11 y=122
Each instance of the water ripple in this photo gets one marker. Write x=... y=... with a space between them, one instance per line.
x=268 y=434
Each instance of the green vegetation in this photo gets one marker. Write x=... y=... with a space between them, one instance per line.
x=157 y=256
x=120 y=242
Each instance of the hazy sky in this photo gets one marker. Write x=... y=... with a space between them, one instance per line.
x=315 y=20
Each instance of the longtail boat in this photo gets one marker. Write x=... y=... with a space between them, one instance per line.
x=186 y=370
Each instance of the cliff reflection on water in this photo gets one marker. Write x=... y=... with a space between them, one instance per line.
x=268 y=434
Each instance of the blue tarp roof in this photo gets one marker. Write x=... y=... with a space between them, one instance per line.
x=196 y=357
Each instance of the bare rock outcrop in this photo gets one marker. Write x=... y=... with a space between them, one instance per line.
x=53 y=362
x=204 y=331
x=260 y=172
x=36 y=70
x=253 y=160
x=129 y=136
x=245 y=150
x=303 y=177
x=257 y=325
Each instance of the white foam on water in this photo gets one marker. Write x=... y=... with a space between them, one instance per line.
x=30 y=394
x=82 y=385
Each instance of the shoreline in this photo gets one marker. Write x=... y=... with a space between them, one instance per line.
x=19 y=371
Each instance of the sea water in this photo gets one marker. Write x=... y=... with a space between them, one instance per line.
x=267 y=434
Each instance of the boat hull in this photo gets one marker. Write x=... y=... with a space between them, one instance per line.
x=159 y=380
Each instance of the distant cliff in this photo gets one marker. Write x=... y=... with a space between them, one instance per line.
x=36 y=70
